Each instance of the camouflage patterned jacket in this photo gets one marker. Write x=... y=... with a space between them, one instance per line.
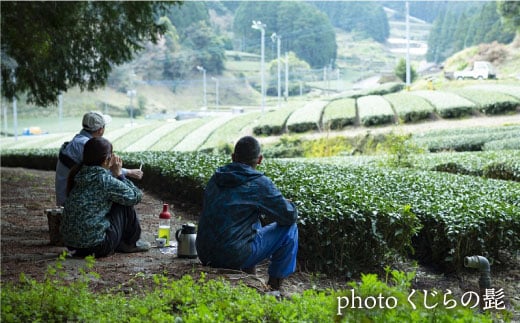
x=85 y=219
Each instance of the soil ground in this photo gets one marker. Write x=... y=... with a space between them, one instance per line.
x=25 y=247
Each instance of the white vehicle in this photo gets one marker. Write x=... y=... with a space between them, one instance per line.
x=479 y=71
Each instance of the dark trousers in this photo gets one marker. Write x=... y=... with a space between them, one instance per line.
x=124 y=227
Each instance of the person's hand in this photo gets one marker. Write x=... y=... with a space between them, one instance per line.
x=134 y=173
x=116 y=165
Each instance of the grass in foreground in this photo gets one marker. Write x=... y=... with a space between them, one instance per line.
x=56 y=298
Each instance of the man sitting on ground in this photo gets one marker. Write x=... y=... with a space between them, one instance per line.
x=230 y=234
x=71 y=152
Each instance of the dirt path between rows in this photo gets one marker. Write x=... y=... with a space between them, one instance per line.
x=26 y=193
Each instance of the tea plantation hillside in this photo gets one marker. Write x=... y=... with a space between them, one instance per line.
x=360 y=110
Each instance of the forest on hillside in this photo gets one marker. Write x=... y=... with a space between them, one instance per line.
x=184 y=38
x=197 y=37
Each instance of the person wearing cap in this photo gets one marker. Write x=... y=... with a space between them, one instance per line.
x=71 y=153
x=230 y=232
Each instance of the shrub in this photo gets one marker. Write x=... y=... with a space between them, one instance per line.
x=306 y=118
x=490 y=102
x=374 y=110
x=339 y=113
x=447 y=105
x=60 y=299
x=355 y=217
x=274 y=121
x=409 y=108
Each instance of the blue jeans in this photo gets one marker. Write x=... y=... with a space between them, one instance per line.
x=280 y=244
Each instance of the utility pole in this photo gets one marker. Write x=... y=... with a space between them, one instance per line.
x=408 y=78
x=278 y=41
x=216 y=92
x=259 y=26
x=286 y=76
x=203 y=70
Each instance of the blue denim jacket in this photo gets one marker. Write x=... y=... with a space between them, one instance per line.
x=234 y=199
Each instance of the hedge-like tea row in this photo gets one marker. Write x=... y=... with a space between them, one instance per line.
x=382 y=89
x=169 y=141
x=133 y=135
x=307 y=117
x=154 y=134
x=470 y=139
x=501 y=144
x=351 y=218
x=227 y=134
x=273 y=122
x=339 y=113
x=490 y=102
x=447 y=105
x=512 y=90
x=196 y=138
x=498 y=164
x=461 y=215
x=374 y=110
x=409 y=108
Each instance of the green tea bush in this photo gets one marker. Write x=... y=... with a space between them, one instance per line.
x=446 y=104
x=306 y=118
x=385 y=88
x=169 y=141
x=58 y=298
x=339 y=113
x=511 y=89
x=227 y=134
x=503 y=144
x=409 y=108
x=470 y=139
x=490 y=102
x=193 y=140
x=374 y=110
x=131 y=137
x=356 y=217
x=274 y=121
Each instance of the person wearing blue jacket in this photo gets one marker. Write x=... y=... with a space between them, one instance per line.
x=230 y=233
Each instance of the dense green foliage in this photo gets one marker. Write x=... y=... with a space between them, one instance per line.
x=510 y=10
x=75 y=45
x=374 y=110
x=339 y=113
x=304 y=29
x=446 y=104
x=408 y=107
x=274 y=122
x=58 y=298
x=471 y=139
x=307 y=117
x=400 y=71
x=356 y=216
x=490 y=102
x=453 y=31
x=367 y=18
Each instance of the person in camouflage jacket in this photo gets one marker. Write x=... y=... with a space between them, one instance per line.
x=99 y=216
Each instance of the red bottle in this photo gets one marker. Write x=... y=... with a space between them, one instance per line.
x=165 y=224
